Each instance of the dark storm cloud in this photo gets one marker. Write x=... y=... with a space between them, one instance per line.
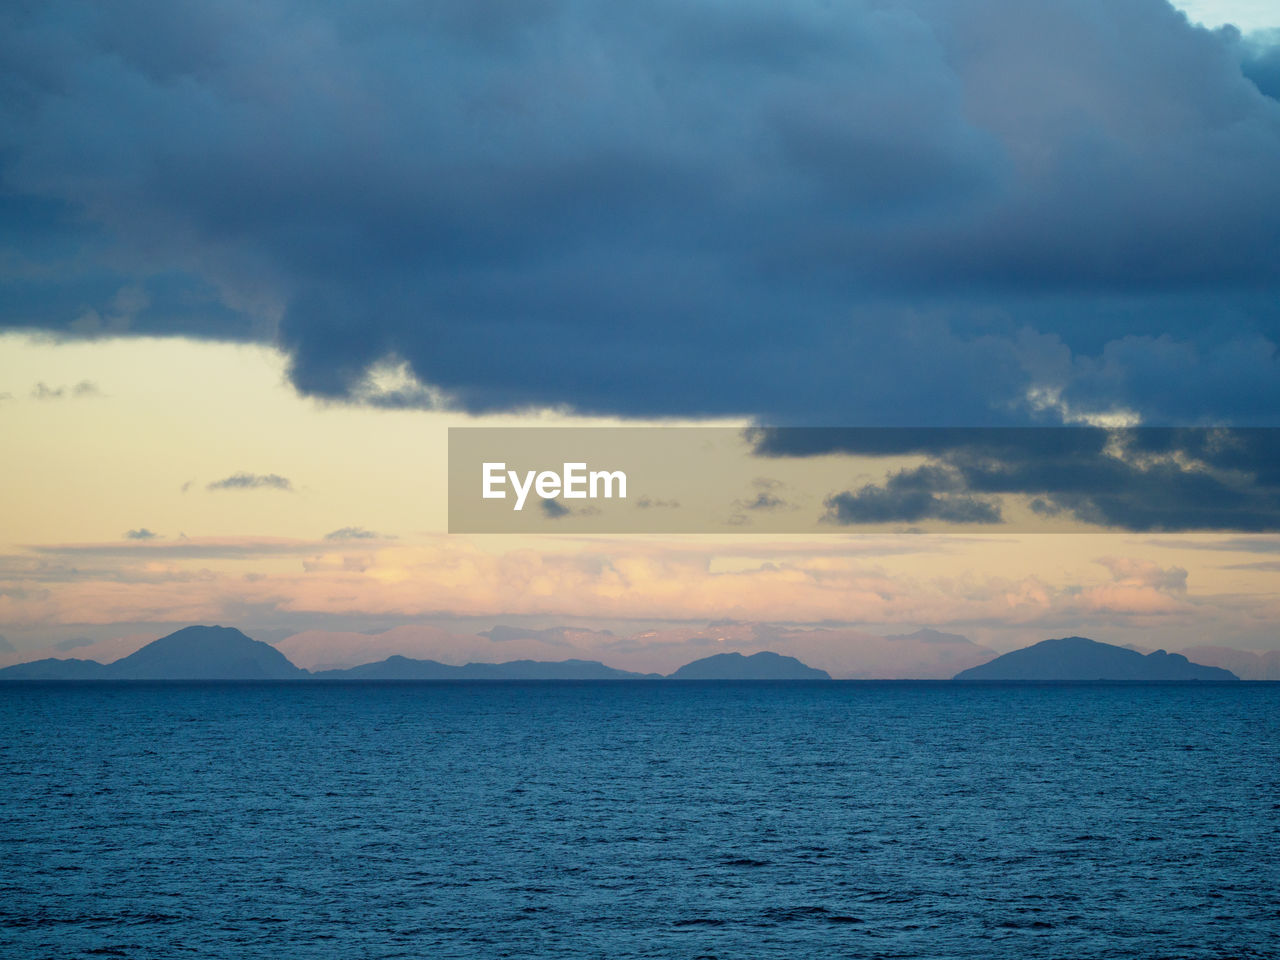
x=1259 y=55
x=1144 y=479
x=252 y=481
x=904 y=212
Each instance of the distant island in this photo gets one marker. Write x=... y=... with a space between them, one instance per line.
x=1079 y=658
x=193 y=653
x=224 y=653
x=405 y=668
x=758 y=666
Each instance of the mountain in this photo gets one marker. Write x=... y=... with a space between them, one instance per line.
x=193 y=653
x=404 y=668
x=1078 y=658
x=205 y=653
x=1245 y=664
x=53 y=669
x=758 y=666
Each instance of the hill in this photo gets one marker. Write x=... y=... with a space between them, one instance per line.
x=193 y=653
x=1079 y=658
x=758 y=666
x=54 y=669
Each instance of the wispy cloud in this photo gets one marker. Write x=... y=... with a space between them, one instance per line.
x=352 y=533
x=85 y=388
x=252 y=481
x=183 y=548
x=657 y=503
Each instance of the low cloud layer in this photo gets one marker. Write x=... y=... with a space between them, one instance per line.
x=906 y=212
x=1003 y=591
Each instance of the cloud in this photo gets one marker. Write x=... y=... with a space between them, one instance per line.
x=182 y=548
x=142 y=533
x=767 y=497
x=925 y=493
x=252 y=481
x=85 y=388
x=910 y=212
x=1145 y=573
x=1144 y=479
x=554 y=509
x=5 y=645
x=598 y=581
x=352 y=533
x=1138 y=588
x=656 y=503
x=1259 y=55
x=72 y=643
x=1269 y=566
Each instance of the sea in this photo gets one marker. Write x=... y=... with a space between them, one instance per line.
x=639 y=819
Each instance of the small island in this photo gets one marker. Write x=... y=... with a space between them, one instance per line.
x=1082 y=659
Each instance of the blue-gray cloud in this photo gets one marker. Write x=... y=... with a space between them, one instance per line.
x=1145 y=479
x=252 y=481
x=909 y=496
x=767 y=496
x=554 y=509
x=352 y=533
x=142 y=533
x=971 y=211
x=1259 y=55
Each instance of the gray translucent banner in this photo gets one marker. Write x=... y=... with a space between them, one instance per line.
x=791 y=480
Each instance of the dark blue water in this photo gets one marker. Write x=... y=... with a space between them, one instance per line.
x=621 y=820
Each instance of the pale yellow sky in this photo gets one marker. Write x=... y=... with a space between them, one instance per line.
x=162 y=419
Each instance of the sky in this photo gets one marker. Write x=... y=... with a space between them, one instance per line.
x=258 y=258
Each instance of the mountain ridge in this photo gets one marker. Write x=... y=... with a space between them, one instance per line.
x=224 y=653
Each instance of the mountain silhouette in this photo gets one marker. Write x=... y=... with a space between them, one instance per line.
x=758 y=666
x=1079 y=658
x=205 y=653
x=404 y=668
x=193 y=653
x=51 y=668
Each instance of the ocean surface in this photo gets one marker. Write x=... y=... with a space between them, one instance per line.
x=639 y=819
